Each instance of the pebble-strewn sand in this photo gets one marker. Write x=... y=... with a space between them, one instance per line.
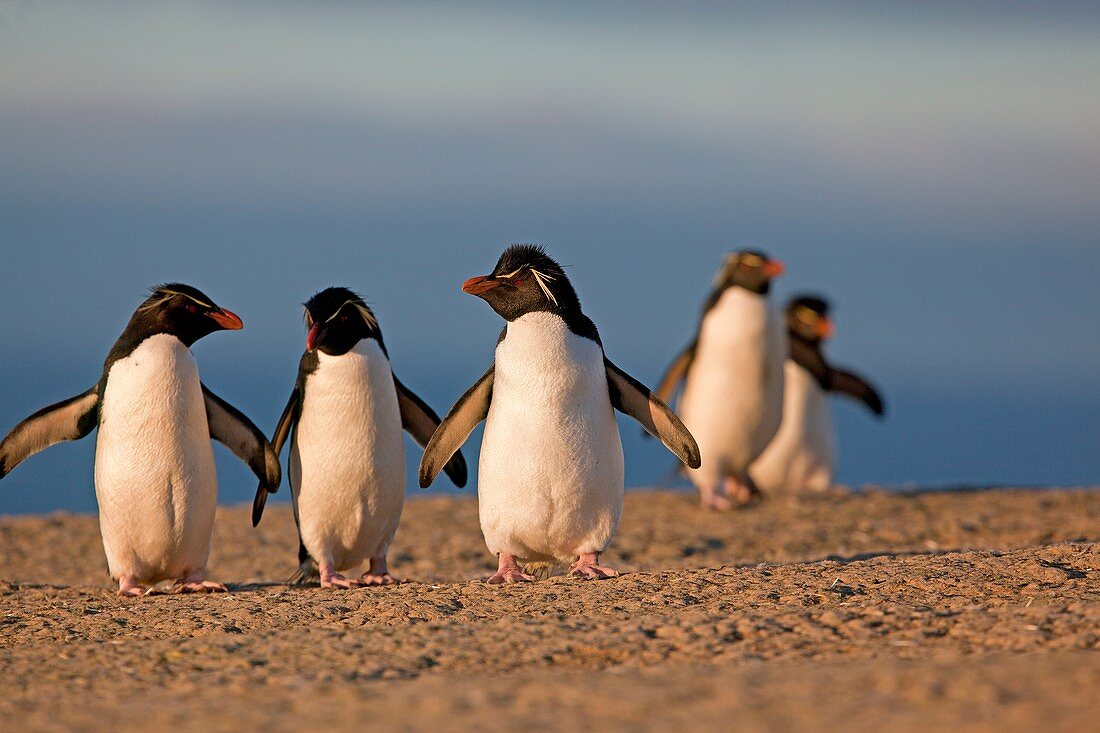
x=967 y=611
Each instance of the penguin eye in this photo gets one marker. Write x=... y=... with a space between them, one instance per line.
x=192 y=308
x=344 y=317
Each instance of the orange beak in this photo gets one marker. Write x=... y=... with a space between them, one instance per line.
x=227 y=319
x=311 y=338
x=478 y=285
x=824 y=328
x=773 y=268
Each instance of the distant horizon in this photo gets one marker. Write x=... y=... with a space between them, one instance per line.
x=927 y=442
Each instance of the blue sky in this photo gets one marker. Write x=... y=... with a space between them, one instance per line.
x=936 y=171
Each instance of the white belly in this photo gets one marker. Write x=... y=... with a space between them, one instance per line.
x=733 y=395
x=550 y=480
x=347 y=458
x=800 y=458
x=154 y=465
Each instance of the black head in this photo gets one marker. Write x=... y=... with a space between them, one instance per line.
x=337 y=320
x=749 y=269
x=808 y=318
x=525 y=280
x=182 y=311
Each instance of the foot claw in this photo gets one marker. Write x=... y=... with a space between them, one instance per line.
x=199 y=586
x=339 y=581
x=380 y=579
x=591 y=571
x=734 y=493
x=588 y=567
x=744 y=496
x=133 y=591
x=510 y=576
x=717 y=503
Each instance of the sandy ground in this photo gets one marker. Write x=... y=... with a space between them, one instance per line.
x=974 y=610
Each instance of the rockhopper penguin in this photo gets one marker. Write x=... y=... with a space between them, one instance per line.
x=801 y=457
x=347 y=457
x=550 y=481
x=733 y=379
x=154 y=466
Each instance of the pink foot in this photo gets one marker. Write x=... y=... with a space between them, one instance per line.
x=741 y=490
x=201 y=586
x=335 y=580
x=128 y=587
x=508 y=571
x=715 y=499
x=733 y=492
x=379 y=573
x=332 y=579
x=588 y=567
x=196 y=583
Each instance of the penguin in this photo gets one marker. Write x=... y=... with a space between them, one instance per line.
x=155 y=480
x=733 y=379
x=550 y=481
x=347 y=460
x=801 y=457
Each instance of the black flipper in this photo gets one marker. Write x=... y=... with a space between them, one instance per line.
x=633 y=398
x=282 y=431
x=70 y=419
x=231 y=428
x=471 y=408
x=854 y=386
x=809 y=357
x=421 y=423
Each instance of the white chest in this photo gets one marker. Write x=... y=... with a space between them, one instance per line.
x=347 y=457
x=156 y=385
x=154 y=465
x=153 y=414
x=801 y=456
x=737 y=337
x=733 y=396
x=544 y=366
x=551 y=471
x=349 y=400
x=805 y=405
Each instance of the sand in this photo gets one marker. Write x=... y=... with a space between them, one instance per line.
x=871 y=611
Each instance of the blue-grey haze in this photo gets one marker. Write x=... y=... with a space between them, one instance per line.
x=935 y=171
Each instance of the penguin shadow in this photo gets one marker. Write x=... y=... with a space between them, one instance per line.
x=873 y=554
x=265 y=586
x=259 y=587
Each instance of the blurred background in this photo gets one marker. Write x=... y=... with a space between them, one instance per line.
x=934 y=170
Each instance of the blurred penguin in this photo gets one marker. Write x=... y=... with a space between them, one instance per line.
x=802 y=456
x=733 y=379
